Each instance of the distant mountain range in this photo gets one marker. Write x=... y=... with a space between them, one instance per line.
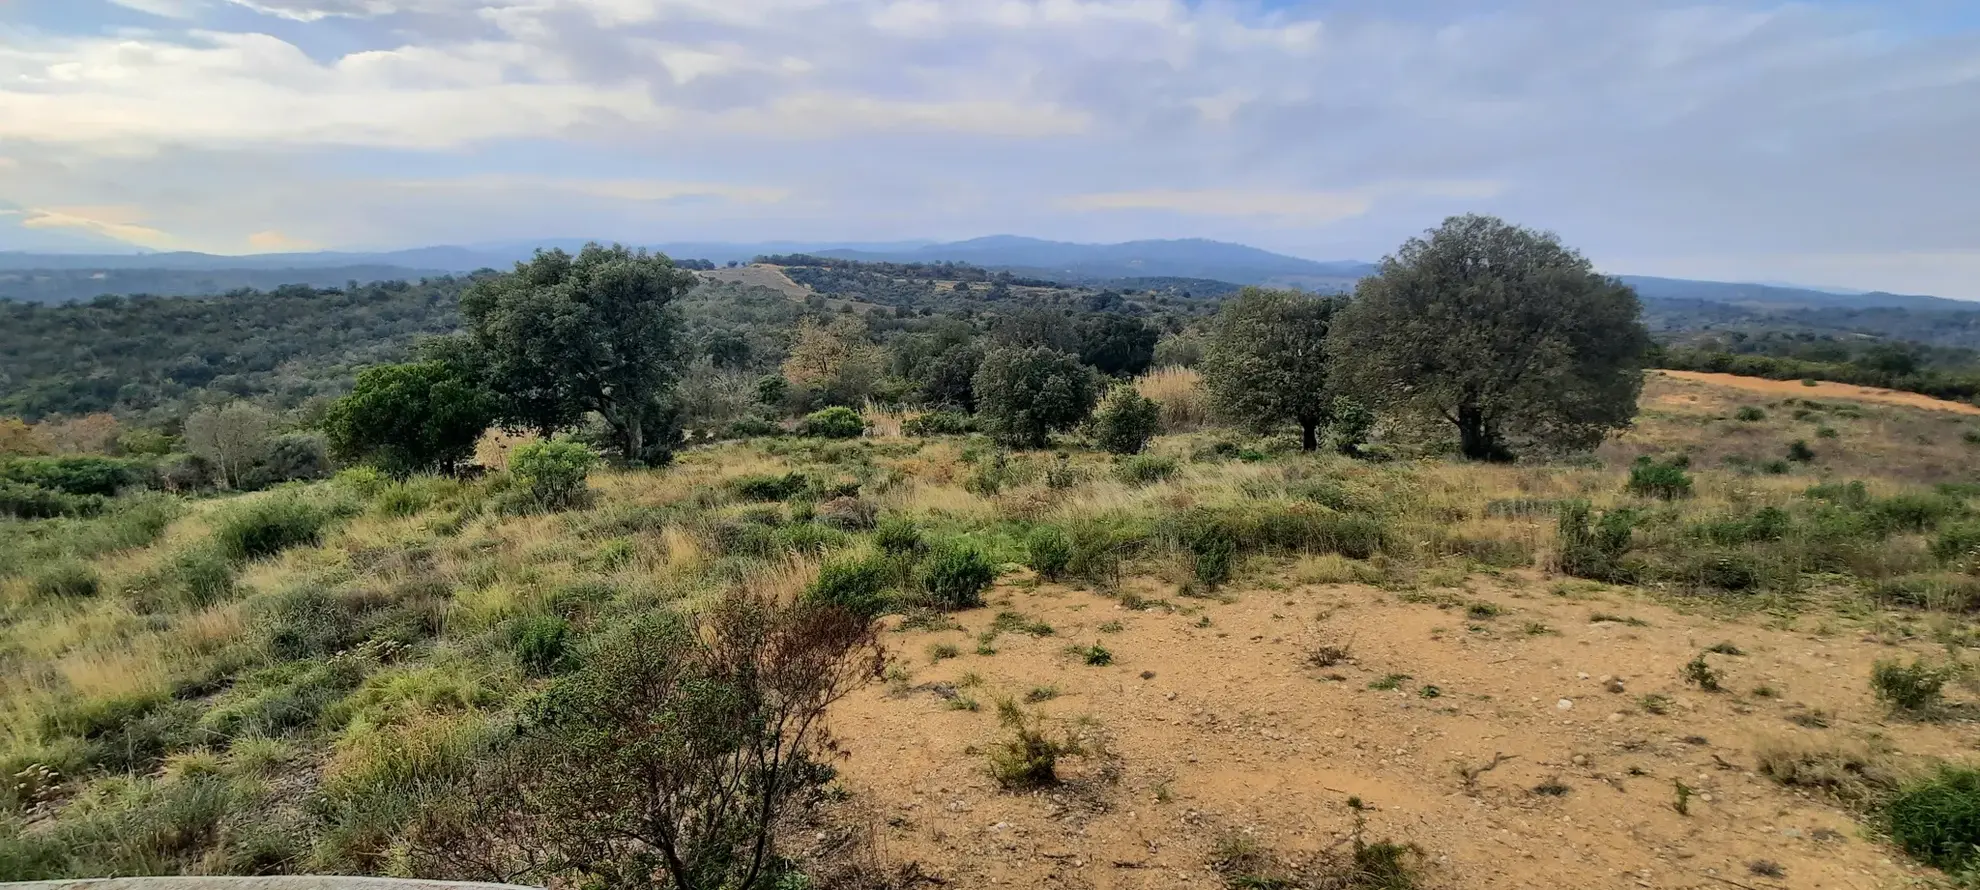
x=52 y=277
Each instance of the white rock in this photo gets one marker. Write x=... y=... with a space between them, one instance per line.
x=1564 y=705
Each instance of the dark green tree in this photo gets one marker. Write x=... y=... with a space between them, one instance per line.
x=1265 y=362
x=409 y=418
x=950 y=379
x=1117 y=344
x=1024 y=394
x=1501 y=331
x=1126 y=420
x=594 y=332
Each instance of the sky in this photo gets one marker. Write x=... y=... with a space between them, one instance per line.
x=1830 y=142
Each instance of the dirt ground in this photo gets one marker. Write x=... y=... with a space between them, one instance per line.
x=1225 y=725
x=1795 y=389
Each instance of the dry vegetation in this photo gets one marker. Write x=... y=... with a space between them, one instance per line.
x=1221 y=664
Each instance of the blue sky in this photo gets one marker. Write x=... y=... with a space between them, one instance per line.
x=1834 y=142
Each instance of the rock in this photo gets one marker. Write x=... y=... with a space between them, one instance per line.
x=1564 y=705
x=1583 y=675
x=1579 y=760
x=1616 y=717
x=1615 y=686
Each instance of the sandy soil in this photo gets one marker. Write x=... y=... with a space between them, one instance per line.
x=1825 y=390
x=1225 y=726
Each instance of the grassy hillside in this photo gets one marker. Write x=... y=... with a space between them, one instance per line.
x=1241 y=658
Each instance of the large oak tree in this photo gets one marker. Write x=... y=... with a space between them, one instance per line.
x=1500 y=330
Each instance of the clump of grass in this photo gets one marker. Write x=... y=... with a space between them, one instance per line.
x=1914 y=688
x=1725 y=648
x=1026 y=757
x=1048 y=551
x=1095 y=655
x=1483 y=611
x=1601 y=617
x=1654 y=703
x=1937 y=819
x=1848 y=772
x=1538 y=629
x=270 y=525
x=943 y=652
x=1146 y=469
x=1667 y=479
x=1112 y=627
x=542 y=644
x=1389 y=683
x=1749 y=414
x=1017 y=622
x=1700 y=673
x=1041 y=694
x=66 y=579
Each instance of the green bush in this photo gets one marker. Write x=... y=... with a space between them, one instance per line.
x=553 y=473
x=1593 y=548
x=1749 y=414
x=75 y=475
x=837 y=422
x=956 y=576
x=938 y=423
x=309 y=621
x=1126 y=420
x=541 y=643
x=899 y=535
x=1799 y=452
x=270 y=525
x=23 y=501
x=754 y=427
x=202 y=575
x=1028 y=758
x=1146 y=469
x=1916 y=687
x=1024 y=394
x=1956 y=542
x=1765 y=524
x=1938 y=819
x=66 y=579
x=770 y=488
x=1661 y=479
x=857 y=584
x=1049 y=551
x=1918 y=511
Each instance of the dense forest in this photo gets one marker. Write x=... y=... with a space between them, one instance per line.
x=72 y=285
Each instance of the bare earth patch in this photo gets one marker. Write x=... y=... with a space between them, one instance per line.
x=1230 y=724
x=1825 y=390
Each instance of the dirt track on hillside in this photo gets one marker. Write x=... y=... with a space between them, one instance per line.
x=1795 y=389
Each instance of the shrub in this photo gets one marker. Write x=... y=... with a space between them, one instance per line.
x=855 y=583
x=289 y=457
x=23 y=501
x=1749 y=414
x=1700 y=673
x=1662 y=479
x=410 y=418
x=1049 y=551
x=1125 y=420
x=753 y=427
x=899 y=535
x=541 y=643
x=770 y=488
x=1938 y=819
x=202 y=575
x=553 y=473
x=938 y=423
x=310 y=622
x=1026 y=394
x=66 y=579
x=1145 y=469
x=1593 y=548
x=270 y=525
x=1918 y=511
x=1914 y=688
x=836 y=422
x=956 y=576
x=1799 y=452
x=1027 y=758
x=1956 y=542
x=74 y=475
x=1765 y=524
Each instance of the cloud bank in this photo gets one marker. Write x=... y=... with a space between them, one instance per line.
x=1825 y=141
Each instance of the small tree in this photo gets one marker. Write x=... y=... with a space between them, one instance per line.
x=553 y=473
x=669 y=759
x=1116 y=344
x=1024 y=394
x=837 y=361
x=409 y=418
x=1266 y=361
x=232 y=438
x=563 y=335
x=1126 y=420
x=1502 y=332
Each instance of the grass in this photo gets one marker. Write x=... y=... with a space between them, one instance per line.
x=168 y=659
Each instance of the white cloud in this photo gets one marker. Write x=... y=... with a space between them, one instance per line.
x=1635 y=128
x=112 y=222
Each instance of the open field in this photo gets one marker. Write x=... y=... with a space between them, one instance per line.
x=1244 y=650
x=1823 y=389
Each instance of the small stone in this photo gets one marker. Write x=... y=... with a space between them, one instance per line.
x=1580 y=760
x=1170 y=696
x=1616 y=717
x=1581 y=675
x=1615 y=686
x=1564 y=705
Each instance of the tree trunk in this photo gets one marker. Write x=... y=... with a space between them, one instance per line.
x=635 y=439
x=1478 y=438
x=1309 y=435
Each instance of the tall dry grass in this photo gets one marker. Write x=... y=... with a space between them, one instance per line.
x=1179 y=393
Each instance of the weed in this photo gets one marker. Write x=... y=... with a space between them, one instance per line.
x=1661 y=479
x=1095 y=655
x=1765 y=868
x=1482 y=611
x=1700 y=673
x=1654 y=703
x=1112 y=627
x=943 y=651
x=1683 y=802
x=1027 y=758
x=1593 y=548
x=1146 y=469
x=542 y=643
x=1601 y=617
x=1389 y=683
x=1724 y=648
x=1749 y=414
x=1937 y=819
x=272 y=524
x=1915 y=688
x=1429 y=691
x=1850 y=773
x=956 y=576
x=854 y=583
x=1799 y=452
x=1327 y=655
x=1018 y=622
x=1553 y=787
x=66 y=579
x=1040 y=694
x=1050 y=551
x=1538 y=629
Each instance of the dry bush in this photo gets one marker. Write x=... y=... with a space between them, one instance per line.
x=1847 y=771
x=1179 y=392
